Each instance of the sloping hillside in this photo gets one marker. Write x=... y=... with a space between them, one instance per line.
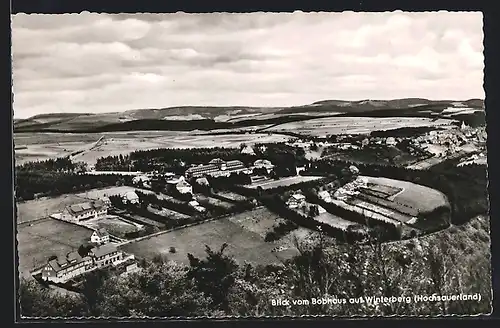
x=200 y=117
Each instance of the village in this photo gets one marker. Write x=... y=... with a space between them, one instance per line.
x=157 y=202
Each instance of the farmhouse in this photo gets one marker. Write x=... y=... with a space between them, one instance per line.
x=83 y=211
x=216 y=167
x=295 y=200
x=100 y=236
x=64 y=268
x=130 y=198
x=202 y=182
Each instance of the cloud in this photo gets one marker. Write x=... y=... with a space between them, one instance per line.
x=101 y=63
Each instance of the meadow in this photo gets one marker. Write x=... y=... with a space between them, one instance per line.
x=40 y=208
x=244 y=233
x=49 y=237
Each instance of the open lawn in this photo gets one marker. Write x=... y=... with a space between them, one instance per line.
x=114 y=225
x=108 y=191
x=168 y=213
x=39 y=208
x=36 y=243
x=288 y=181
x=354 y=125
x=243 y=245
x=259 y=221
x=419 y=197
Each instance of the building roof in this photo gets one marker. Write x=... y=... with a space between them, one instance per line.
x=298 y=196
x=63 y=262
x=130 y=195
x=99 y=251
x=101 y=232
x=202 y=181
x=105 y=199
x=85 y=207
x=216 y=161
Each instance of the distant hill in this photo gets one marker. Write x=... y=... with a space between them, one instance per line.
x=188 y=118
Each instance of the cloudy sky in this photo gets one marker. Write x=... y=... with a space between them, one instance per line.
x=103 y=63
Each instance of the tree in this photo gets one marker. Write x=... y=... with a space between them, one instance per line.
x=214 y=276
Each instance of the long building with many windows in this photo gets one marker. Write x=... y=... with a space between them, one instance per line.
x=65 y=268
x=216 y=168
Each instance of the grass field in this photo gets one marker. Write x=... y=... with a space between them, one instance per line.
x=354 y=125
x=36 y=243
x=422 y=198
x=114 y=225
x=168 y=213
x=244 y=233
x=288 y=181
x=39 y=208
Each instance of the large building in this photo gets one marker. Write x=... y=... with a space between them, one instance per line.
x=216 y=168
x=84 y=211
x=67 y=267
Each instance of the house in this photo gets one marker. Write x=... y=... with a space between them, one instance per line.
x=295 y=200
x=99 y=236
x=354 y=170
x=390 y=141
x=325 y=195
x=197 y=206
x=203 y=182
x=130 y=197
x=184 y=187
x=247 y=150
x=141 y=179
x=263 y=163
x=106 y=201
x=84 y=211
x=105 y=255
x=64 y=268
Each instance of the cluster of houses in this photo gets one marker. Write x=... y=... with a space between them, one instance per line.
x=350 y=189
x=64 y=268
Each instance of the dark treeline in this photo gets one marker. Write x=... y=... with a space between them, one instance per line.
x=60 y=164
x=450 y=262
x=404 y=132
x=31 y=184
x=171 y=125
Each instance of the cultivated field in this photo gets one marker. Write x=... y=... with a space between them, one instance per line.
x=214 y=201
x=41 y=146
x=168 y=213
x=232 y=195
x=45 y=238
x=354 y=125
x=288 y=181
x=39 y=208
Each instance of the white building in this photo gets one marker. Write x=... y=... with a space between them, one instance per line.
x=84 y=211
x=130 y=197
x=99 y=236
x=247 y=150
x=184 y=187
x=325 y=195
x=295 y=200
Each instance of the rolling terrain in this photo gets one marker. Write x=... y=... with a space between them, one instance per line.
x=191 y=118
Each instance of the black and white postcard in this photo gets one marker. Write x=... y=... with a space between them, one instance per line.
x=247 y=165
